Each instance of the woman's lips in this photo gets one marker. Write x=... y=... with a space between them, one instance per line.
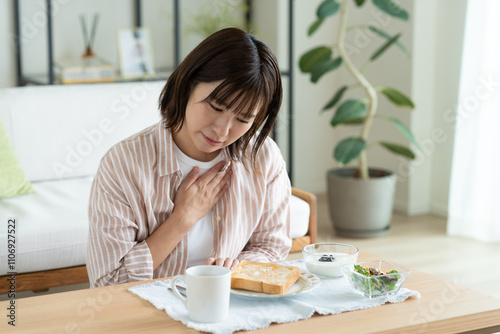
x=212 y=142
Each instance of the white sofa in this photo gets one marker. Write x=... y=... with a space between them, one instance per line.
x=59 y=134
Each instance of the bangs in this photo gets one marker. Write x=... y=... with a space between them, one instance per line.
x=243 y=100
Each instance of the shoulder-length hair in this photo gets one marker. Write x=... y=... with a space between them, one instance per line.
x=250 y=78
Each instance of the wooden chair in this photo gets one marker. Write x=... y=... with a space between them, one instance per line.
x=43 y=280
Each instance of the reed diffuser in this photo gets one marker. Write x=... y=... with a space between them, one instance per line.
x=89 y=38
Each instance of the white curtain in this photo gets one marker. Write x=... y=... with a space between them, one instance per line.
x=474 y=207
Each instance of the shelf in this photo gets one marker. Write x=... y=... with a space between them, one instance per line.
x=42 y=78
x=160 y=74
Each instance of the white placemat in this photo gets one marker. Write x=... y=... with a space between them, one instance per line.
x=246 y=313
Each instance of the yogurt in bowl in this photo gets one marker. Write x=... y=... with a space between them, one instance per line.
x=325 y=259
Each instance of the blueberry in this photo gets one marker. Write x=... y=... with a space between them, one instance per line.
x=327 y=258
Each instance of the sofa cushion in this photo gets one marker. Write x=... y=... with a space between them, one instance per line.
x=13 y=182
x=52 y=225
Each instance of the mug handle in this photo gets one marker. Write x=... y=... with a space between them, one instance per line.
x=175 y=290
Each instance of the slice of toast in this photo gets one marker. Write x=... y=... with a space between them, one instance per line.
x=269 y=278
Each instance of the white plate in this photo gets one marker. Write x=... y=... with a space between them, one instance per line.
x=305 y=283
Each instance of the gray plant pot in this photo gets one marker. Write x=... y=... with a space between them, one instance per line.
x=361 y=208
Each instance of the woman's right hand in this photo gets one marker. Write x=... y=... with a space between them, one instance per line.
x=196 y=196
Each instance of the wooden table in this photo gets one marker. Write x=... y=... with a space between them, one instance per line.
x=443 y=308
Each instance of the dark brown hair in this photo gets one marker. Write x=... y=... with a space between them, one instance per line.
x=250 y=77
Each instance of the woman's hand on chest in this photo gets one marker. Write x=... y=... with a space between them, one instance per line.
x=196 y=196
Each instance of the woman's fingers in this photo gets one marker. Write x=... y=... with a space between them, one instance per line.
x=191 y=177
x=221 y=192
x=215 y=183
x=231 y=263
x=225 y=168
x=222 y=186
x=213 y=177
x=227 y=262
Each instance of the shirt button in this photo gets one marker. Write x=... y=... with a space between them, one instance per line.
x=219 y=218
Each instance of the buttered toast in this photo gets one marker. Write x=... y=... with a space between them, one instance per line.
x=269 y=278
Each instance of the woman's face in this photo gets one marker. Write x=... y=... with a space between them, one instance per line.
x=209 y=127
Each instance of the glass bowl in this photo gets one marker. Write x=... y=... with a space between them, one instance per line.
x=379 y=281
x=324 y=259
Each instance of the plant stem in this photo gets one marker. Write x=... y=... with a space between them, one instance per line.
x=370 y=91
x=358 y=26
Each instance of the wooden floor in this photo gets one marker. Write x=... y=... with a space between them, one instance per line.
x=421 y=242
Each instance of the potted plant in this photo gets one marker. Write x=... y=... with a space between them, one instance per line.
x=360 y=199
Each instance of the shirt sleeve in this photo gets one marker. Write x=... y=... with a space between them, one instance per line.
x=113 y=254
x=271 y=240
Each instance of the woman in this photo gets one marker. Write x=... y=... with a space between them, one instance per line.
x=204 y=185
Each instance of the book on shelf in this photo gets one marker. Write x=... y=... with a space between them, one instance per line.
x=85 y=70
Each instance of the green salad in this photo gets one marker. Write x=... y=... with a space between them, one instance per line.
x=378 y=284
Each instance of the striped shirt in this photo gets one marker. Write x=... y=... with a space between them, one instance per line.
x=132 y=194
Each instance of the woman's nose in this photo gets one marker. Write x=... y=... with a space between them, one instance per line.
x=221 y=126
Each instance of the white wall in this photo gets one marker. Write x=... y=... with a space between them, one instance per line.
x=433 y=35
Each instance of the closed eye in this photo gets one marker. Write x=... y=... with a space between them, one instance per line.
x=246 y=119
x=214 y=107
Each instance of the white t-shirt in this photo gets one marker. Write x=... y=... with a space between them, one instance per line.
x=201 y=235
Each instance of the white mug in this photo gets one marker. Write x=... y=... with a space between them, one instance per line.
x=207 y=292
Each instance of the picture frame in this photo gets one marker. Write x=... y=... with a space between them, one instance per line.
x=135 y=52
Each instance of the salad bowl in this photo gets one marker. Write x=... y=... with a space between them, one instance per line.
x=375 y=278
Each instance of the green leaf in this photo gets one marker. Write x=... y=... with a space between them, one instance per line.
x=327 y=8
x=398 y=149
x=336 y=98
x=314 y=56
x=349 y=111
x=396 y=97
x=385 y=35
x=385 y=47
x=402 y=128
x=389 y=7
x=316 y=24
x=359 y=3
x=324 y=67
x=355 y=121
x=349 y=149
